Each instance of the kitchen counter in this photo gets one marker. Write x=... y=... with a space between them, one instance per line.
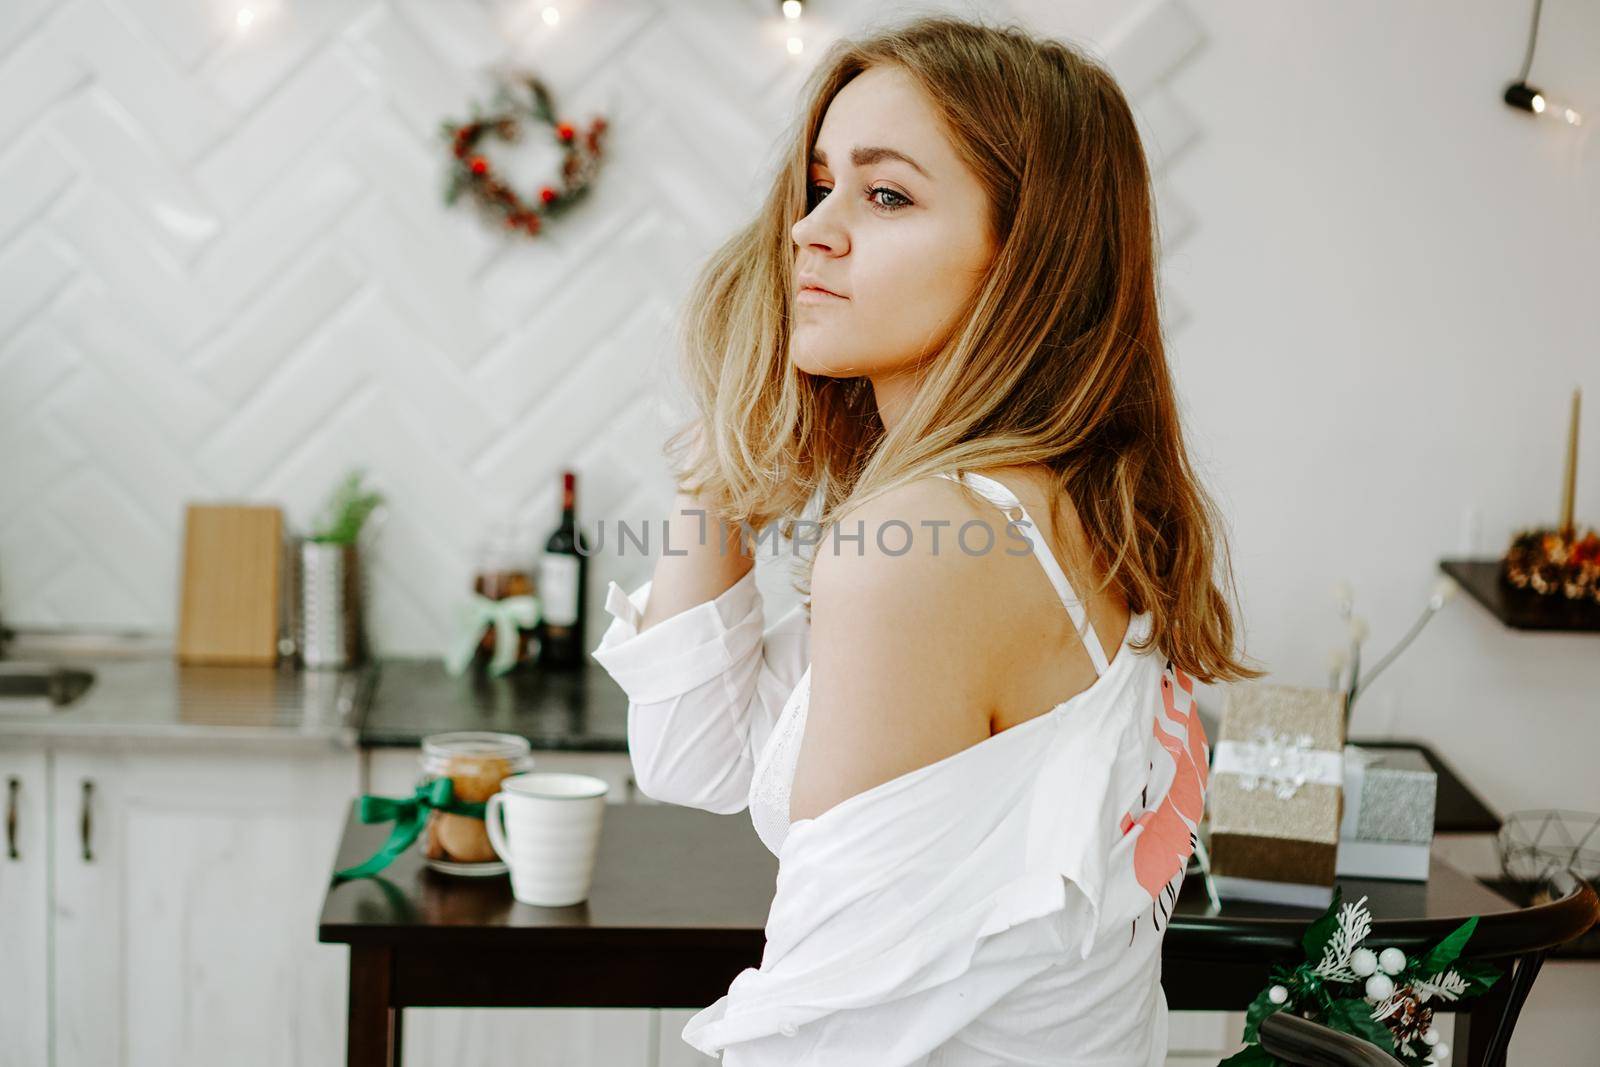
x=140 y=692
x=578 y=710
x=147 y=695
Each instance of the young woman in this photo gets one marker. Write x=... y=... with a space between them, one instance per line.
x=974 y=749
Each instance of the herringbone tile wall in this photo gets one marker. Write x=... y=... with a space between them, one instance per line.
x=227 y=271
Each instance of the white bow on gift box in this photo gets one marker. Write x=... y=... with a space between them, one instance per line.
x=506 y=616
x=1278 y=761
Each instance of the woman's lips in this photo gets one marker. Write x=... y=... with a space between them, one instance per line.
x=812 y=295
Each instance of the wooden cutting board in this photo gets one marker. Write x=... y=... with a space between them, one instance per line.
x=232 y=557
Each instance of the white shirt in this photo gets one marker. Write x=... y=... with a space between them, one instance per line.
x=1003 y=905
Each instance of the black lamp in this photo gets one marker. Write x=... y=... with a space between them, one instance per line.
x=1524 y=97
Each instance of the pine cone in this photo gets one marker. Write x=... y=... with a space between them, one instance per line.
x=1412 y=1018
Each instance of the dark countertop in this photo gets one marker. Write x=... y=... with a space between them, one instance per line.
x=578 y=710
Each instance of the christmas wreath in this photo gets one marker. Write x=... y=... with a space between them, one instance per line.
x=472 y=173
x=1380 y=997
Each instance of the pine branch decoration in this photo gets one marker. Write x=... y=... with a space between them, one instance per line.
x=1355 y=923
x=1380 y=997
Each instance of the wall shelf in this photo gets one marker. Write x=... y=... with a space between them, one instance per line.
x=1521 y=609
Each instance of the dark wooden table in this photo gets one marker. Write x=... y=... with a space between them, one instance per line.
x=679 y=906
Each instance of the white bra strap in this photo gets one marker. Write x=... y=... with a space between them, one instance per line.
x=997 y=494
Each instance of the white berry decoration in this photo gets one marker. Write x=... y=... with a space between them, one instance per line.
x=1433 y=1036
x=1364 y=961
x=1277 y=994
x=1440 y=1052
x=1379 y=986
x=1392 y=960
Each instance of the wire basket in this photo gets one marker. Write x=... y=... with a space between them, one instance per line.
x=1534 y=843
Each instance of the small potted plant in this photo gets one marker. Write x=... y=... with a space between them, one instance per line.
x=330 y=624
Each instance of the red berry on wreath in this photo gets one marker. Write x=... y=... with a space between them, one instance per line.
x=564 y=131
x=548 y=194
x=479 y=165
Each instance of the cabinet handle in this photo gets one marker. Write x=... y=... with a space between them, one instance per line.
x=86 y=827
x=13 y=787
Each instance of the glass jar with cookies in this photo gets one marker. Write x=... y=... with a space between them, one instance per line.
x=475 y=762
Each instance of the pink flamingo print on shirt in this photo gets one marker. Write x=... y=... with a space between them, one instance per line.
x=1166 y=842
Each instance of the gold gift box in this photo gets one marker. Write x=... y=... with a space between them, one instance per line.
x=1275 y=796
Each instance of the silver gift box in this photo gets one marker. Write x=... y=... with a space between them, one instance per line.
x=1386 y=830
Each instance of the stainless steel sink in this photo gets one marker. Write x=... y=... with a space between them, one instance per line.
x=27 y=686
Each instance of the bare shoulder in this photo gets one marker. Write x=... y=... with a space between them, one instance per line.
x=901 y=647
x=925 y=543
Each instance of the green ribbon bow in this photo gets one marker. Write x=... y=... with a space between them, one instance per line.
x=505 y=616
x=410 y=814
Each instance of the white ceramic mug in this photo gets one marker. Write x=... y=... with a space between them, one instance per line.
x=551 y=834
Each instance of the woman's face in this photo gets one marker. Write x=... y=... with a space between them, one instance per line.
x=898 y=227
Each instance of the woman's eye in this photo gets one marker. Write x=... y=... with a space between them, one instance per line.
x=894 y=205
x=895 y=202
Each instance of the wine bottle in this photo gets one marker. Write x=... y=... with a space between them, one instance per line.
x=563 y=578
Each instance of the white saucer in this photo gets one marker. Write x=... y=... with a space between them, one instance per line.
x=470 y=870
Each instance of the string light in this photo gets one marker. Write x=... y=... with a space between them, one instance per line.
x=792 y=10
x=1519 y=94
x=252 y=18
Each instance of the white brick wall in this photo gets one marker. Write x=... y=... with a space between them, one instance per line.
x=227 y=271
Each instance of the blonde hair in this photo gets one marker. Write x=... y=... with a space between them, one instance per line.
x=1057 y=361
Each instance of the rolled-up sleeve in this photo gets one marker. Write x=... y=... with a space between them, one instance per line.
x=704 y=689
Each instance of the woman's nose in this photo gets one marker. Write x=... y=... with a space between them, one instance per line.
x=820 y=229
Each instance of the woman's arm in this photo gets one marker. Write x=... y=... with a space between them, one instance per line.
x=707 y=557
x=705 y=682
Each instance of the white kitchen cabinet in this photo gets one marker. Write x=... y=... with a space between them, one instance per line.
x=523 y=1037
x=24 y=909
x=188 y=887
